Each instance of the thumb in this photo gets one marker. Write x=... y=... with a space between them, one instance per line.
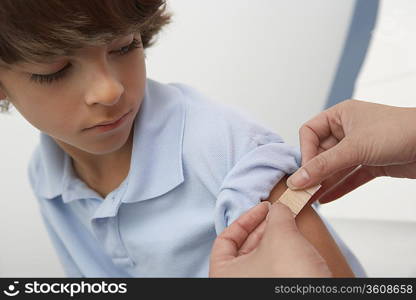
x=333 y=160
x=280 y=223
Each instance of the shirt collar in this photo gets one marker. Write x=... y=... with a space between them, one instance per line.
x=156 y=163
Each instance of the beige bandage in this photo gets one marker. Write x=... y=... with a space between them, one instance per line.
x=296 y=200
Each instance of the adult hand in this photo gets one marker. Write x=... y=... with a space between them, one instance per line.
x=256 y=246
x=352 y=143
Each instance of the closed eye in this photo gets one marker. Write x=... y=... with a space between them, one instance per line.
x=126 y=49
x=48 y=78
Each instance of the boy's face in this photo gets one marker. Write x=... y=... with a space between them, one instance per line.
x=96 y=84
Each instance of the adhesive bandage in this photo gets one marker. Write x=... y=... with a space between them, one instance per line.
x=296 y=200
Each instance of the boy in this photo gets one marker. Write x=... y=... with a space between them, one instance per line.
x=133 y=177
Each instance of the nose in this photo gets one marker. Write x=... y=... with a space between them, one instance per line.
x=104 y=88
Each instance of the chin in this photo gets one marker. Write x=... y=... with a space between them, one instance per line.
x=108 y=144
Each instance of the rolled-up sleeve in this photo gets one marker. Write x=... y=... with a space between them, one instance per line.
x=253 y=176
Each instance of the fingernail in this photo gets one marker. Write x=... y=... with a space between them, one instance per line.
x=269 y=205
x=298 y=180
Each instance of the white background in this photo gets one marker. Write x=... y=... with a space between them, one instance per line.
x=273 y=60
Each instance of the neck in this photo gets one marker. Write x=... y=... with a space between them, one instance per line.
x=102 y=173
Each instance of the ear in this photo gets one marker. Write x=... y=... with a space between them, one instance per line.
x=3 y=95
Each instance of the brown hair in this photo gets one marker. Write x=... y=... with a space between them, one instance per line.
x=35 y=30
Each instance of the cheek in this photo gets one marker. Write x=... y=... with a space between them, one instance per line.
x=48 y=114
x=134 y=77
x=52 y=120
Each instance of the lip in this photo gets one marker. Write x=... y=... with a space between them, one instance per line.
x=111 y=126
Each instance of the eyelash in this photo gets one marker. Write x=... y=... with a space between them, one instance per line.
x=61 y=73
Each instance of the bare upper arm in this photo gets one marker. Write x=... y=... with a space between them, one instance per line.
x=315 y=231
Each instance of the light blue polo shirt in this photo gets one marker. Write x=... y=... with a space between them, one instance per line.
x=196 y=166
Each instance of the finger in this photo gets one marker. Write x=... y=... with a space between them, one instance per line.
x=309 y=143
x=331 y=182
x=400 y=171
x=329 y=162
x=328 y=143
x=360 y=177
x=310 y=139
x=349 y=183
x=228 y=243
x=253 y=239
x=312 y=133
x=283 y=239
x=280 y=224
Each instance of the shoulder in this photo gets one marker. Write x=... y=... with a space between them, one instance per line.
x=223 y=131
x=224 y=148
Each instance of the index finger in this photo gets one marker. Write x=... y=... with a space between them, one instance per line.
x=311 y=134
x=228 y=243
